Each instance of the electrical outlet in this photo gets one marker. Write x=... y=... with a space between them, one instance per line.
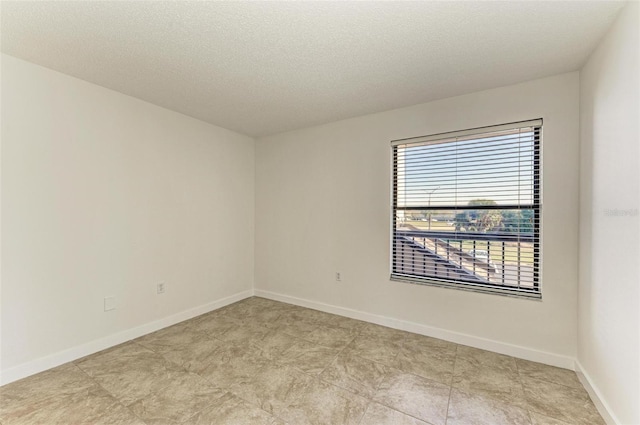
x=109 y=303
x=338 y=277
x=161 y=287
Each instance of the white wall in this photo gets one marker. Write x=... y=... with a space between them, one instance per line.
x=106 y=195
x=609 y=294
x=323 y=205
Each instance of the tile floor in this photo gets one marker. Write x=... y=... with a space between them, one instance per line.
x=264 y=362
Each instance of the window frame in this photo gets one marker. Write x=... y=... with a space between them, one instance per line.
x=536 y=206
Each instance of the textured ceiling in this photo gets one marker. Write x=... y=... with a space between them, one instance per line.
x=261 y=68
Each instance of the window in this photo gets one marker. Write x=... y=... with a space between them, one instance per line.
x=467 y=209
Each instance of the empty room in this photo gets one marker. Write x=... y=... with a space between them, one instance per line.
x=320 y=212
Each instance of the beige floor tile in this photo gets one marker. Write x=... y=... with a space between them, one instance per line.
x=253 y=363
x=116 y=415
x=486 y=358
x=490 y=374
x=561 y=402
x=214 y=323
x=383 y=332
x=315 y=316
x=377 y=414
x=232 y=410
x=239 y=309
x=246 y=332
x=170 y=338
x=332 y=337
x=266 y=318
x=257 y=305
x=416 y=396
x=256 y=311
x=428 y=357
x=274 y=343
x=540 y=419
x=265 y=303
x=548 y=373
x=376 y=348
x=320 y=403
x=308 y=357
x=27 y=395
x=176 y=403
x=130 y=372
x=293 y=327
x=342 y=322
x=196 y=356
x=411 y=337
x=91 y=405
x=355 y=373
x=473 y=409
x=232 y=363
x=300 y=315
x=272 y=388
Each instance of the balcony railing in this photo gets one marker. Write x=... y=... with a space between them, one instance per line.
x=499 y=259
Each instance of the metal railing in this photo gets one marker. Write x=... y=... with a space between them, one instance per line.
x=493 y=258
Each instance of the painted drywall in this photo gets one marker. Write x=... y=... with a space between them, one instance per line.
x=609 y=293
x=106 y=195
x=323 y=205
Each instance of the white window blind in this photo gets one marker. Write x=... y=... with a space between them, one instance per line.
x=467 y=209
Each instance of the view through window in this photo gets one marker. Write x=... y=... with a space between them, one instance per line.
x=466 y=209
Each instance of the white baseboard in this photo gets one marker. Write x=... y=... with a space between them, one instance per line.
x=35 y=366
x=596 y=396
x=526 y=353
